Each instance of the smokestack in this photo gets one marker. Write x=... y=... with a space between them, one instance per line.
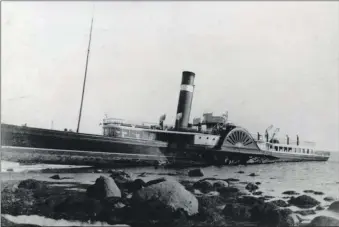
x=185 y=100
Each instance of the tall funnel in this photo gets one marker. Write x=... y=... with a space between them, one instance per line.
x=185 y=100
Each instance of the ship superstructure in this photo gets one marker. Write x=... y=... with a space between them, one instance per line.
x=212 y=138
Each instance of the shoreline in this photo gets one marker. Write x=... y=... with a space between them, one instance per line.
x=75 y=182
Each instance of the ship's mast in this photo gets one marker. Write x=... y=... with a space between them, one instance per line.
x=84 y=84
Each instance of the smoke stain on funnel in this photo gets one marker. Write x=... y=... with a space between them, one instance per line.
x=185 y=100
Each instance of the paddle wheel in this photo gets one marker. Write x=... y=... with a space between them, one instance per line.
x=239 y=137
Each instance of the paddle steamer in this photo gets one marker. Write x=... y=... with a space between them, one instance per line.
x=212 y=139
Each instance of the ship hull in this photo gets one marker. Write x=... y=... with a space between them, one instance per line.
x=26 y=144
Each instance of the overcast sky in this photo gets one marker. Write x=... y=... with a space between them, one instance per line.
x=265 y=62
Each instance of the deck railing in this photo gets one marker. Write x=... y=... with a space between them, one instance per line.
x=283 y=140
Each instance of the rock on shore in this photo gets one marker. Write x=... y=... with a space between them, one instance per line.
x=251 y=187
x=120 y=198
x=162 y=200
x=290 y=193
x=324 y=221
x=196 y=173
x=304 y=201
x=334 y=206
x=104 y=187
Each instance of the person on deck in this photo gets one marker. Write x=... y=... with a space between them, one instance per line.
x=266 y=135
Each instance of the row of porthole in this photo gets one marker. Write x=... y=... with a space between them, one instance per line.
x=206 y=138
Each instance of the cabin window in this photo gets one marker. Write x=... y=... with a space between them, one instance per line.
x=285 y=149
x=304 y=151
x=207 y=137
x=276 y=148
x=280 y=149
x=271 y=146
x=213 y=138
x=295 y=150
x=289 y=149
x=308 y=151
x=199 y=137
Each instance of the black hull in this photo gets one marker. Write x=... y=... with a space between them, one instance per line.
x=35 y=145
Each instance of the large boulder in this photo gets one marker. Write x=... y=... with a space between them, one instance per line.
x=304 y=201
x=334 y=206
x=251 y=187
x=196 y=173
x=104 y=187
x=163 y=200
x=324 y=221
